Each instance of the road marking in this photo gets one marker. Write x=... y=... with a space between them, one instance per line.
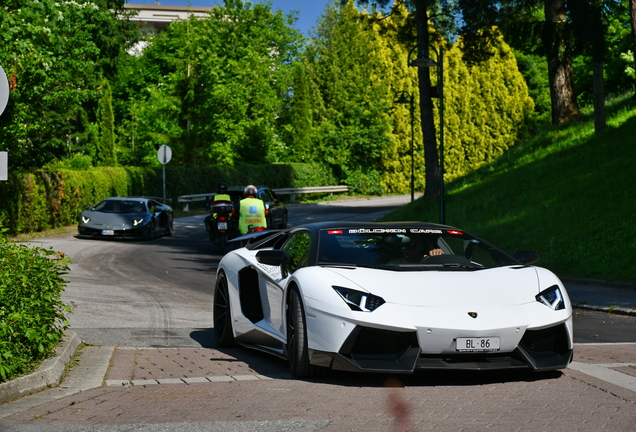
x=605 y=343
x=191 y=380
x=604 y=372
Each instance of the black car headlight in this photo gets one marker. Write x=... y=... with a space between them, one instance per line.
x=359 y=301
x=552 y=298
x=85 y=219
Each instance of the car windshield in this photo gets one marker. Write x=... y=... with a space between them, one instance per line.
x=408 y=249
x=121 y=206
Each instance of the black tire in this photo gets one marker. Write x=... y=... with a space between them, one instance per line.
x=150 y=231
x=283 y=222
x=297 y=349
x=171 y=226
x=222 y=242
x=221 y=314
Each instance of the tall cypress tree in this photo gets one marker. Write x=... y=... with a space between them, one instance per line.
x=105 y=154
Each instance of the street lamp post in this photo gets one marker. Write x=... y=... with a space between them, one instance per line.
x=425 y=61
x=403 y=99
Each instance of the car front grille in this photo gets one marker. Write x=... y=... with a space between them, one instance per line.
x=546 y=342
x=364 y=341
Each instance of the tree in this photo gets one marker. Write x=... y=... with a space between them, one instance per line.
x=349 y=102
x=533 y=26
x=357 y=64
x=105 y=152
x=297 y=120
x=226 y=81
x=590 y=30
x=559 y=54
x=632 y=22
x=56 y=54
x=421 y=9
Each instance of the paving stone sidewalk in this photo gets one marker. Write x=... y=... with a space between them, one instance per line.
x=208 y=386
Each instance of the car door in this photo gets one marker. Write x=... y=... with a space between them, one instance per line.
x=160 y=217
x=297 y=251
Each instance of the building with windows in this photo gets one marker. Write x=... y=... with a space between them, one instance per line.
x=155 y=18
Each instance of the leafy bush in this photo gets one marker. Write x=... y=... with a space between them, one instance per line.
x=78 y=162
x=32 y=315
x=50 y=198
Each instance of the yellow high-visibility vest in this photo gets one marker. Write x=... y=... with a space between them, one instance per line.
x=251 y=214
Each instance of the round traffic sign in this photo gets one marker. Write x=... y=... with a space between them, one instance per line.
x=4 y=90
x=164 y=154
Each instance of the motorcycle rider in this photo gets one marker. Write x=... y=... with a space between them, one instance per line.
x=221 y=193
x=251 y=211
x=221 y=196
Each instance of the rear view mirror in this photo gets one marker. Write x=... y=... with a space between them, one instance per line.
x=526 y=257
x=273 y=258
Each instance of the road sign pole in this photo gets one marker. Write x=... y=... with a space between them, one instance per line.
x=164 y=155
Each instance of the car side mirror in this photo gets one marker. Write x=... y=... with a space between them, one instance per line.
x=526 y=257
x=273 y=258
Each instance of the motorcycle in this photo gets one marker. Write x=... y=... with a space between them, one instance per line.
x=219 y=223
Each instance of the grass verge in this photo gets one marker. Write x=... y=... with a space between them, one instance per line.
x=568 y=193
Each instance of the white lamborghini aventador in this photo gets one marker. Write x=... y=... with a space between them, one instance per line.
x=391 y=297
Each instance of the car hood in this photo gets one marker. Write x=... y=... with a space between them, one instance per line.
x=99 y=218
x=501 y=286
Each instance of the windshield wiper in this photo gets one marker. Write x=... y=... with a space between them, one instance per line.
x=346 y=265
x=441 y=266
x=465 y=266
x=357 y=265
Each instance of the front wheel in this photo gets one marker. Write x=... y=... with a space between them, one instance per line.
x=222 y=242
x=221 y=314
x=150 y=231
x=297 y=349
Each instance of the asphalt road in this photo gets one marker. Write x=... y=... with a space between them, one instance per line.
x=159 y=293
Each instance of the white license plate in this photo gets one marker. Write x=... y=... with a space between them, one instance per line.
x=222 y=225
x=478 y=344
x=108 y=232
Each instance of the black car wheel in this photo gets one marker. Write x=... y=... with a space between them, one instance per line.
x=150 y=231
x=297 y=349
x=283 y=223
x=221 y=314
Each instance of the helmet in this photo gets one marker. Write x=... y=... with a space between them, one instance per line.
x=221 y=188
x=250 y=190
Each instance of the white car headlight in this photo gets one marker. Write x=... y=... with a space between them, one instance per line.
x=552 y=298
x=359 y=301
x=85 y=219
x=137 y=221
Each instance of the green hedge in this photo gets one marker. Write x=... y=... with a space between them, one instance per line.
x=32 y=316
x=44 y=199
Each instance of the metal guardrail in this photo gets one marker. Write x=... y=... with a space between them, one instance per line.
x=316 y=189
x=186 y=199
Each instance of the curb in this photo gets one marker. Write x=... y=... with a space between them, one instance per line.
x=612 y=310
x=48 y=374
x=603 y=283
